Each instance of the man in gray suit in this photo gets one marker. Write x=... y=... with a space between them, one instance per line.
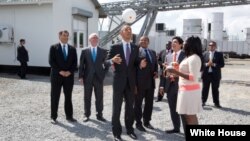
x=92 y=71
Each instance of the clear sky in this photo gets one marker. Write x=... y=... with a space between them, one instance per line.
x=236 y=18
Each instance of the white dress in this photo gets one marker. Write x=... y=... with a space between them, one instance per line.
x=189 y=94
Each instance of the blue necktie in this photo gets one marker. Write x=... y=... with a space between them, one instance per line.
x=94 y=54
x=64 y=53
x=147 y=56
x=127 y=53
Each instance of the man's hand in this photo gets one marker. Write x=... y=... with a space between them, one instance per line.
x=65 y=73
x=210 y=63
x=117 y=59
x=68 y=73
x=155 y=75
x=143 y=63
x=81 y=81
x=161 y=91
x=135 y=90
x=62 y=73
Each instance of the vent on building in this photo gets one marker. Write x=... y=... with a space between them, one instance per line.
x=159 y=27
x=171 y=32
x=6 y=34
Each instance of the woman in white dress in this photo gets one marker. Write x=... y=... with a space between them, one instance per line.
x=189 y=95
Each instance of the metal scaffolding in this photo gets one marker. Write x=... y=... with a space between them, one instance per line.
x=150 y=8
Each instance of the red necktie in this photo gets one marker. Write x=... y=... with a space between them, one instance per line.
x=175 y=55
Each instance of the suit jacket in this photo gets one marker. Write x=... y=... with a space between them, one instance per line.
x=145 y=76
x=22 y=54
x=219 y=63
x=122 y=72
x=57 y=62
x=88 y=68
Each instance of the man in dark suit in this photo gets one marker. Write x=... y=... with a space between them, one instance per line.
x=91 y=74
x=124 y=58
x=23 y=58
x=63 y=62
x=213 y=62
x=172 y=91
x=162 y=61
x=145 y=85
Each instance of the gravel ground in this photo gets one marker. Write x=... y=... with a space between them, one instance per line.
x=25 y=109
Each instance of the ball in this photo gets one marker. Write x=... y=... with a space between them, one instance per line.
x=129 y=15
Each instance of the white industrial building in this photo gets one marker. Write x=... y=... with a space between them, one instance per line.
x=39 y=21
x=214 y=30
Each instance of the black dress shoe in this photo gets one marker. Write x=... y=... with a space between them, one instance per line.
x=203 y=104
x=71 y=119
x=141 y=128
x=158 y=100
x=172 y=131
x=117 y=138
x=149 y=126
x=217 y=105
x=132 y=135
x=85 y=119
x=53 y=121
x=101 y=119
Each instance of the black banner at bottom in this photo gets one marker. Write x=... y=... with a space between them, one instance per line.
x=198 y=132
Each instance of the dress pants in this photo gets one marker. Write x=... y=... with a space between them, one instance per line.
x=148 y=95
x=215 y=82
x=98 y=90
x=172 y=94
x=57 y=82
x=118 y=96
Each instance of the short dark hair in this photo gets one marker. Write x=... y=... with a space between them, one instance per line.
x=22 y=40
x=63 y=31
x=214 y=43
x=193 y=45
x=179 y=39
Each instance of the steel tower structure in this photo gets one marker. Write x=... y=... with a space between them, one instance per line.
x=150 y=8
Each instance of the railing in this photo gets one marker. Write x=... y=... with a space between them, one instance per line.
x=13 y=2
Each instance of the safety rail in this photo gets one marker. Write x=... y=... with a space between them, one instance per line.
x=14 y=2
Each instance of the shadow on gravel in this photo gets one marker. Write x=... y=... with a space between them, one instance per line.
x=86 y=132
x=39 y=78
x=237 y=82
x=236 y=111
x=162 y=135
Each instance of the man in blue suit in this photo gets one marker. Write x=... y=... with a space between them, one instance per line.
x=93 y=67
x=213 y=62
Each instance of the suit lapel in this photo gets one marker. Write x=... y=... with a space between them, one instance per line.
x=59 y=49
x=98 y=51
x=90 y=54
x=123 y=53
x=132 y=52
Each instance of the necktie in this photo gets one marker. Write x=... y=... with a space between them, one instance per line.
x=127 y=53
x=210 y=56
x=147 y=56
x=94 y=54
x=175 y=56
x=210 y=59
x=64 y=53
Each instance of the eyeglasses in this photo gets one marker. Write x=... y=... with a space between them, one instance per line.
x=210 y=45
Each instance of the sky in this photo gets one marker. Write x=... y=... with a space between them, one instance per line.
x=236 y=19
